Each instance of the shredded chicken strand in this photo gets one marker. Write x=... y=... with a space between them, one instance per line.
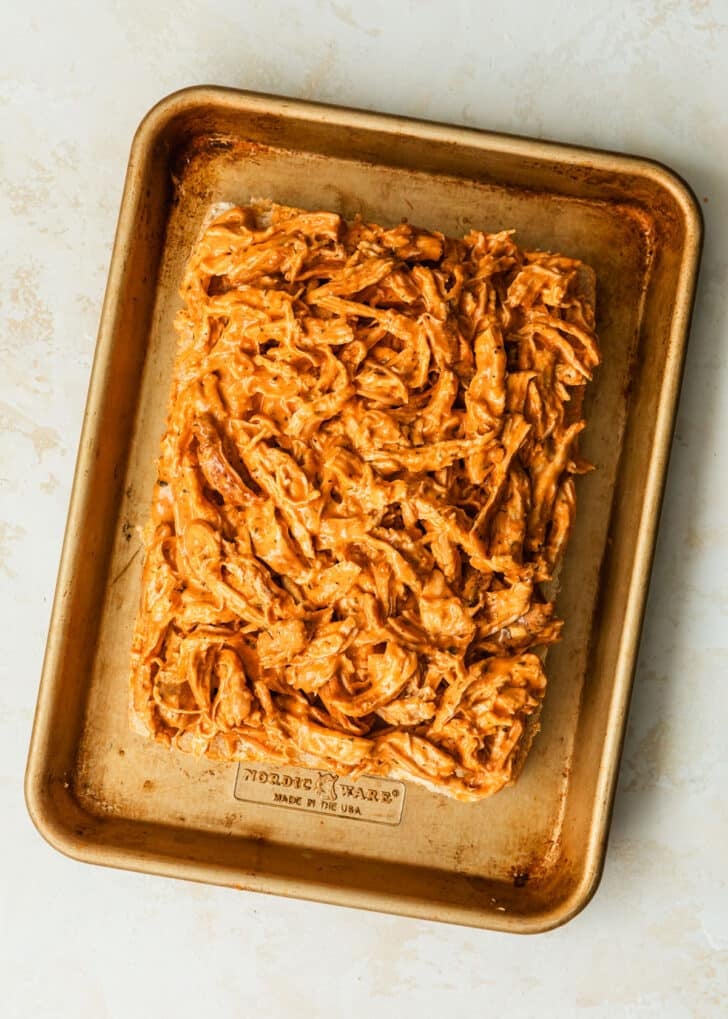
x=365 y=482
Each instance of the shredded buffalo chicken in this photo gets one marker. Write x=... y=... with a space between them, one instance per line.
x=365 y=486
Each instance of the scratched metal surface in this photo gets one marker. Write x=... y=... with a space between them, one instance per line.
x=530 y=857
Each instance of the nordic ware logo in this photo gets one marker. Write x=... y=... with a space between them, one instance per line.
x=377 y=800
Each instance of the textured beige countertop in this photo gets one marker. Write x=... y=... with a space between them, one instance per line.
x=642 y=77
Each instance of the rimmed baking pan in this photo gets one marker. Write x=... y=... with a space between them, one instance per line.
x=530 y=857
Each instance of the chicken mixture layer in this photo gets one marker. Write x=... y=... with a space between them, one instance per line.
x=365 y=486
